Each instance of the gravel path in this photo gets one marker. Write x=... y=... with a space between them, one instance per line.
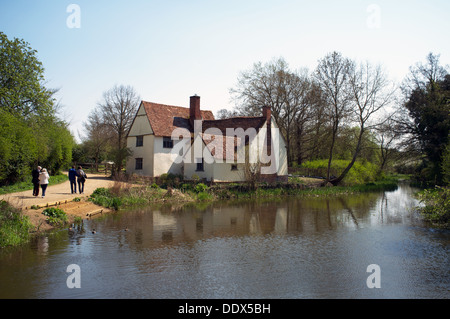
x=56 y=193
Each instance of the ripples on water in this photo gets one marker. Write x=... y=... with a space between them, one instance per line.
x=294 y=248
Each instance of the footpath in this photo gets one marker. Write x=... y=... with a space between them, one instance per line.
x=59 y=196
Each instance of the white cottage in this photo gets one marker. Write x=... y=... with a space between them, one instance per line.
x=188 y=141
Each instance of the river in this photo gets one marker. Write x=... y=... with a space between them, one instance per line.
x=285 y=248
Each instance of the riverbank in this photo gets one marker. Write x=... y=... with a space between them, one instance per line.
x=21 y=213
x=123 y=195
x=104 y=195
x=161 y=252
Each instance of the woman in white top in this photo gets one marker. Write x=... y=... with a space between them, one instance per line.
x=43 y=180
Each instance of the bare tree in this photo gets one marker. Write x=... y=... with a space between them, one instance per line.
x=332 y=75
x=371 y=92
x=386 y=138
x=297 y=108
x=117 y=110
x=225 y=114
x=98 y=137
x=273 y=84
x=308 y=120
x=422 y=75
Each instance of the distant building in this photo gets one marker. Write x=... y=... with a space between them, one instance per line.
x=188 y=141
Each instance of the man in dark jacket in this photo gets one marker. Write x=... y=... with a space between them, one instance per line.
x=72 y=179
x=35 y=180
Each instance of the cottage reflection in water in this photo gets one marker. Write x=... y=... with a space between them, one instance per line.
x=189 y=224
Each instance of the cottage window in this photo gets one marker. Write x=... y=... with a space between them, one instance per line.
x=234 y=167
x=139 y=164
x=139 y=141
x=167 y=142
x=200 y=166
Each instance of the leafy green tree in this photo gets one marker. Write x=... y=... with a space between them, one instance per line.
x=446 y=165
x=22 y=92
x=426 y=114
x=60 y=148
x=18 y=148
x=30 y=132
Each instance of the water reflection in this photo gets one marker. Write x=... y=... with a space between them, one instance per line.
x=171 y=225
x=287 y=248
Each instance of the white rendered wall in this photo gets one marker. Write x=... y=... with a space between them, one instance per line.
x=164 y=159
x=140 y=127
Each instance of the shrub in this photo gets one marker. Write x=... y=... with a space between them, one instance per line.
x=170 y=180
x=101 y=192
x=446 y=165
x=55 y=216
x=199 y=188
x=203 y=196
x=104 y=197
x=195 y=178
x=437 y=206
x=186 y=187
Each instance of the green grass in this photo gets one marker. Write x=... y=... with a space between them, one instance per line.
x=24 y=186
x=361 y=172
x=14 y=227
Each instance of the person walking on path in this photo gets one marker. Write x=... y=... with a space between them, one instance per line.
x=35 y=180
x=43 y=180
x=72 y=179
x=81 y=178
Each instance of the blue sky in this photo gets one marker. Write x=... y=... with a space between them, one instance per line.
x=170 y=50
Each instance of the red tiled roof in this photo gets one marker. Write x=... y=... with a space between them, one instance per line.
x=165 y=118
x=234 y=123
x=220 y=151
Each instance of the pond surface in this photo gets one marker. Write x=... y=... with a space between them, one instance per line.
x=285 y=248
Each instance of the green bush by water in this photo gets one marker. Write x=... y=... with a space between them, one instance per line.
x=437 y=206
x=14 y=227
x=55 y=216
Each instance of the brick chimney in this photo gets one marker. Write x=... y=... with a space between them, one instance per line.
x=194 y=109
x=267 y=113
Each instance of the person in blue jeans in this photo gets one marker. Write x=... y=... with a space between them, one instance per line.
x=72 y=179
x=43 y=180
x=81 y=178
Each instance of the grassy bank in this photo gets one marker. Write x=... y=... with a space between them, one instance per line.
x=361 y=173
x=299 y=189
x=14 y=226
x=25 y=186
x=123 y=196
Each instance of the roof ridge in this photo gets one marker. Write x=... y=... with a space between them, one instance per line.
x=240 y=117
x=154 y=103
x=176 y=106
